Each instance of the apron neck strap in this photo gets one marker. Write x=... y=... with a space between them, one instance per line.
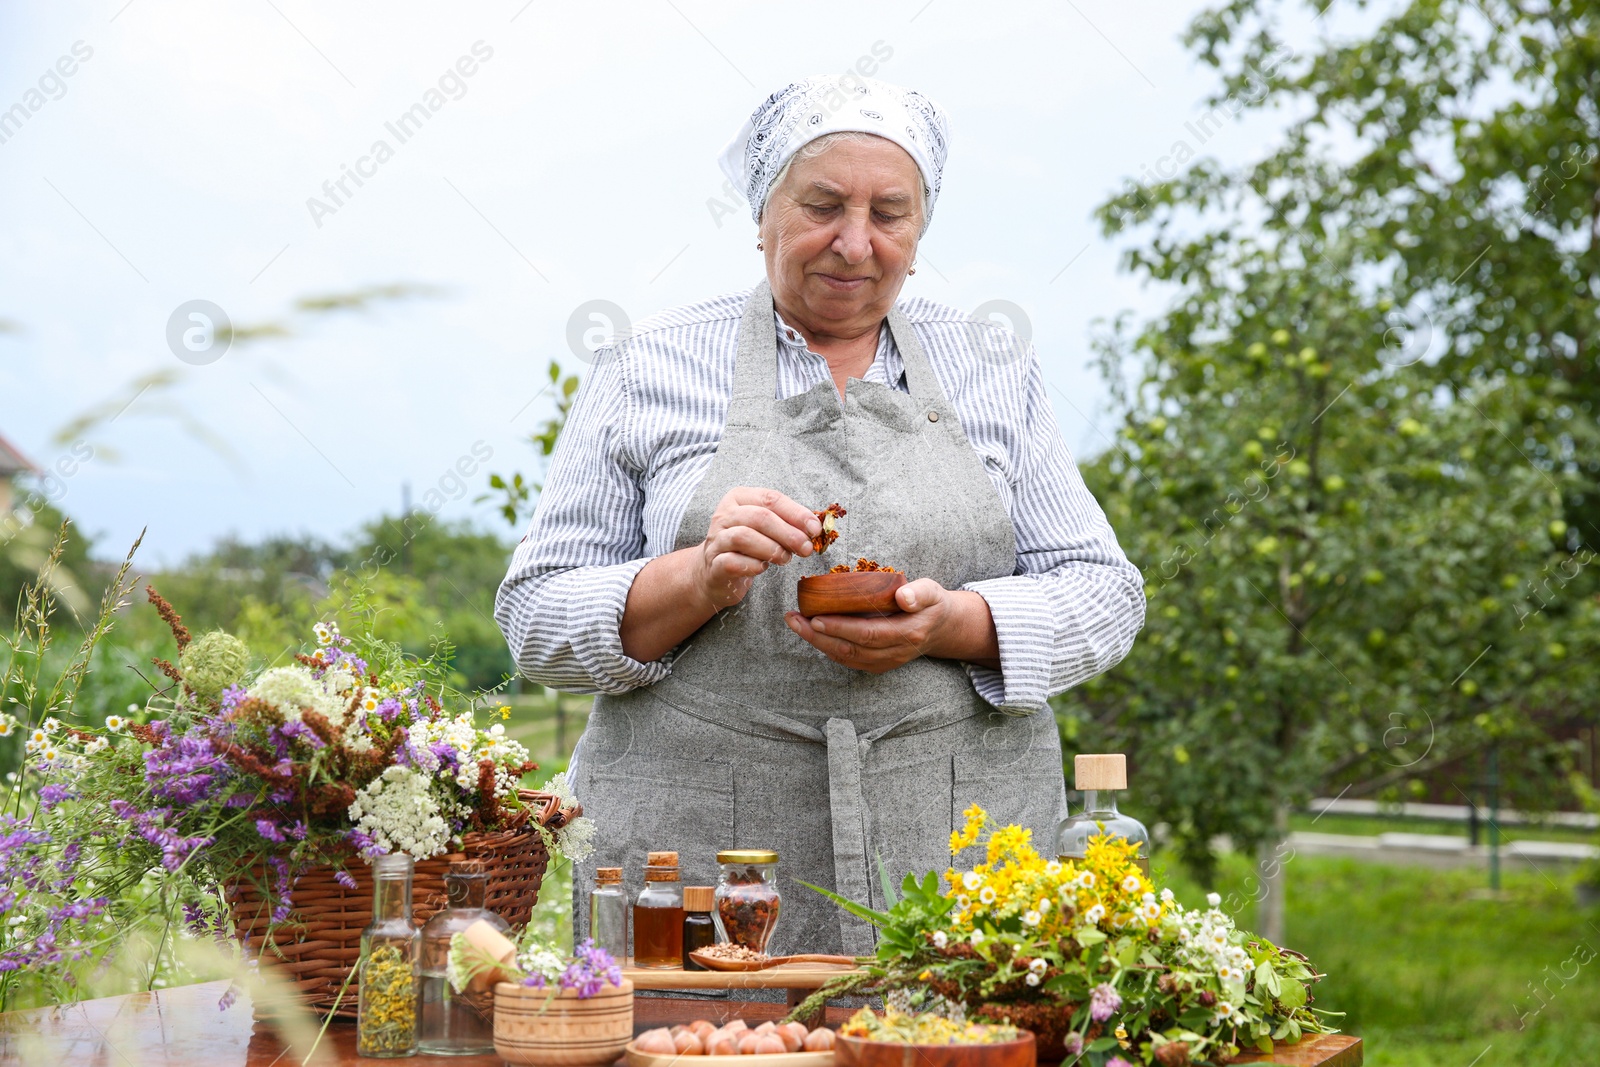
x=755 y=374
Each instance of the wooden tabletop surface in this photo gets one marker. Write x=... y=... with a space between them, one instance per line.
x=183 y=1027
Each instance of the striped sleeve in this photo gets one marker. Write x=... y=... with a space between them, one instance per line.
x=1076 y=603
x=561 y=603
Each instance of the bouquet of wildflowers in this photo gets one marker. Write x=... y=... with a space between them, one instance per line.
x=347 y=752
x=586 y=972
x=1086 y=953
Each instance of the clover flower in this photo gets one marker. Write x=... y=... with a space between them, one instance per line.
x=1104 y=1002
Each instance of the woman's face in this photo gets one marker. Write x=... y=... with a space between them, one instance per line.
x=840 y=233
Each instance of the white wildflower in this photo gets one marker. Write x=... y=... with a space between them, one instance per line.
x=1214 y=899
x=1038 y=966
x=115 y=723
x=1166 y=896
x=1130 y=884
x=987 y=896
x=1031 y=978
x=1095 y=914
x=398 y=812
x=972 y=881
x=940 y=939
x=1030 y=918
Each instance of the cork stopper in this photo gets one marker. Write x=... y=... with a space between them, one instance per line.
x=698 y=897
x=1104 y=771
x=661 y=867
x=608 y=876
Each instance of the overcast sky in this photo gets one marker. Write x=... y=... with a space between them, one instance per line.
x=576 y=163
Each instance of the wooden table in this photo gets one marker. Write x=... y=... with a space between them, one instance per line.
x=183 y=1027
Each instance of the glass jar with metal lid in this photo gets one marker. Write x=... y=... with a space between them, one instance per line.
x=747 y=899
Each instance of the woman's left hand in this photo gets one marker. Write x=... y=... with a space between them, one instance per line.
x=937 y=622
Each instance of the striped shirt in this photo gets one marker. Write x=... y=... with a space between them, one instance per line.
x=645 y=427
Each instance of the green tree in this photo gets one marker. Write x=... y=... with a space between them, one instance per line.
x=1350 y=502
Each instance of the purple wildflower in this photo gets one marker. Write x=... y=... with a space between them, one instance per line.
x=591 y=968
x=1104 y=1002
x=1118 y=1061
x=270 y=830
x=53 y=794
x=345 y=878
x=229 y=995
x=232 y=697
x=1072 y=1046
x=280 y=868
x=299 y=731
x=183 y=771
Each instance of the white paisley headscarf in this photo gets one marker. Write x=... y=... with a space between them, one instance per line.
x=801 y=112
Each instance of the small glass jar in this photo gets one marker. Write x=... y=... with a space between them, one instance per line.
x=451 y=1023
x=747 y=897
x=658 y=915
x=608 y=913
x=1099 y=778
x=699 y=929
x=386 y=1011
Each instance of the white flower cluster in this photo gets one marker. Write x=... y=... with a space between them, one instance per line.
x=473 y=745
x=1209 y=942
x=293 y=690
x=56 y=750
x=399 y=812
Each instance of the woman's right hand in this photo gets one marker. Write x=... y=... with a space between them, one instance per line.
x=751 y=529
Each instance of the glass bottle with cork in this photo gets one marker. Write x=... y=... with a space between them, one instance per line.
x=658 y=915
x=456 y=1024
x=1098 y=777
x=608 y=912
x=699 y=930
x=386 y=994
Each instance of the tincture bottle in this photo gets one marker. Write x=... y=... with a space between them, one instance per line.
x=699 y=930
x=386 y=995
x=608 y=913
x=456 y=1024
x=658 y=915
x=1098 y=778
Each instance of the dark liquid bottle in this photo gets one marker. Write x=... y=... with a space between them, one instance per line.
x=658 y=915
x=699 y=931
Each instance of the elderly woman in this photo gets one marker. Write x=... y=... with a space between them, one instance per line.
x=696 y=455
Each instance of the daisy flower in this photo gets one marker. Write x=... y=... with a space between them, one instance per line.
x=1166 y=896
x=1086 y=880
x=1095 y=914
x=1053 y=868
x=115 y=723
x=1030 y=918
x=1038 y=966
x=38 y=737
x=972 y=881
x=987 y=896
x=963 y=902
x=1031 y=978
x=5 y=727
x=1150 y=911
x=940 y=939
x=1130 y=884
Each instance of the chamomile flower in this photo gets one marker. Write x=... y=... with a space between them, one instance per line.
x=1214 y=899
x=972 y=881
x=1085 y=880
x=940 y=939
x=1228 y=972
x=1130 y=884
x=1224 y=1011
x=1038 y=966
x=1053 y=868
x=5 y=727
x=1218 y=937
x=1166 y=896
x=115 y=723
x=38 y=737
x=1031 y=978
x=987 y=896
x=324 y=633
x=52 y=724
x=370 y=700
x=963 y=902
x=1149 y=911
x=49 y=754
x=1095 y=914
x=1030 y=918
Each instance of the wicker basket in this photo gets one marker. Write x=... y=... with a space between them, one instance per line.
x=314 y=950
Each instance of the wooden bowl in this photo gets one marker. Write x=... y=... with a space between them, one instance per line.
x=856 y=1052
x=850 y=593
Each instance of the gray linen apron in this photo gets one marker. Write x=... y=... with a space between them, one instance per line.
x=758 y=740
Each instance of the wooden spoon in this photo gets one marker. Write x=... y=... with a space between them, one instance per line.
x=712 y=963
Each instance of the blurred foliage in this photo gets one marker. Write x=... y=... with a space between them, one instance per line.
x=514 y=493
x=1356 y=442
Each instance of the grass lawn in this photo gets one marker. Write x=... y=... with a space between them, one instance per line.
x=1430 y=970
x=1382 y=824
